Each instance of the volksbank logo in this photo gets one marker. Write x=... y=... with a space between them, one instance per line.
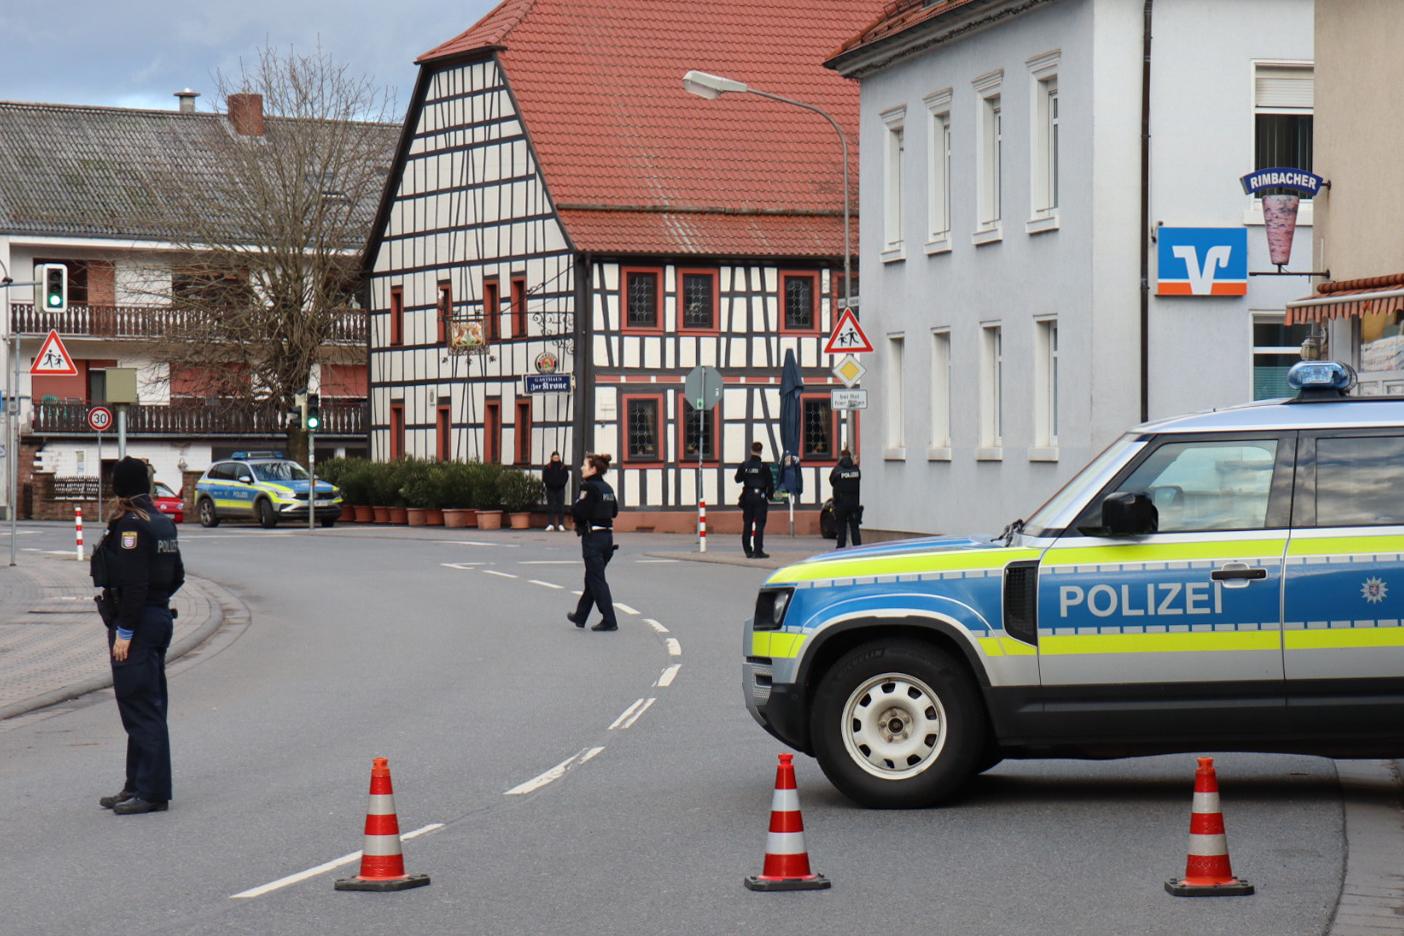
x=1203 y=261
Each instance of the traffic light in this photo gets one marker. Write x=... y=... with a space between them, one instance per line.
x=51 y=288
x=297 y=417
x=313 y=420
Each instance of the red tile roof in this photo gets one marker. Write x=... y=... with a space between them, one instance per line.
x=599 y=83
x=895 y=18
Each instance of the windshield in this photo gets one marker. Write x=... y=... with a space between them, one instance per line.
x=279 y=471
x=1054 y=515
x=163 y=491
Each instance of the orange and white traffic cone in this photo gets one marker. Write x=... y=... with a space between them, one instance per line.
x=786 y=861
x=1207 y=870
x=382 y=863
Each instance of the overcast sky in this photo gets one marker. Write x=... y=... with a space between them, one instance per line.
x=138 y=53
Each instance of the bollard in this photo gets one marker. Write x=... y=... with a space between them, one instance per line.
x=78 y=529
x=702 y=526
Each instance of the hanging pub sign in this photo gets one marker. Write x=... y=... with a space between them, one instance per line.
x=1280 y=210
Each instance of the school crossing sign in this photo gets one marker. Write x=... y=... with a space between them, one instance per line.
x=53 y=359
x=848 y=337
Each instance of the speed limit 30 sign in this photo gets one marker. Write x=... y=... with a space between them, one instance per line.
x=100 y=418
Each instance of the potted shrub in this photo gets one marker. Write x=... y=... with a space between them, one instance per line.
x=487 y=488
x=521 y=493
x=352 y=475
x=417 y=490
x=456 y=494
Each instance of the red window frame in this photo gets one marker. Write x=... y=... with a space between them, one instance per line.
x=813 y=277
x=492 y=431
x=715 y=312
x=835 y=441
x=397 y=430
x=713 y=418
x=657 y=457
x=443 y=432
x=397 y=315
x=521 y=435
x=519 y=310
x=657 y=274
x=492 y=308
x=444 y=307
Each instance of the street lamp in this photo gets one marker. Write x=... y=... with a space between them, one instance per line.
x=712 y=87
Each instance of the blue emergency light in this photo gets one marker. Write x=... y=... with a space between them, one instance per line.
x=1316 y=378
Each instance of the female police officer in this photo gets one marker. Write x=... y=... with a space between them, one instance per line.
x=594 y=512
x=141 y=568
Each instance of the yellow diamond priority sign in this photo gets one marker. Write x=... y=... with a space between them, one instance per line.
x=849 y=370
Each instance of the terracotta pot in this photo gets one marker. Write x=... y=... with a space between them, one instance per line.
x=433 y=516
x=363 y=514
x=472 y=517
x=489 y=519
x=382 y=514
x=398 y=515
x=416 y=515
x=456 y=518
x=520 y=521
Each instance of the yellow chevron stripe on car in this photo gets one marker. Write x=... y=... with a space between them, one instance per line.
x=870 y=566
x=1129 y=554
x=776 y=644
x=1191 y=642
x=1344 y=545
x=1342 y=638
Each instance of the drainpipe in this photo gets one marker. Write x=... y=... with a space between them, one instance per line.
x=1145 y=212
x=584 y=374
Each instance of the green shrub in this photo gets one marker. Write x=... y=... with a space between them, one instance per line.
x=487 y=484
x=418 y=484
x=521 y=491
x=353 y=476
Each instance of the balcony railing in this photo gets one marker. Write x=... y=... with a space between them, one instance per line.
x=149 y=322
x=197 y=419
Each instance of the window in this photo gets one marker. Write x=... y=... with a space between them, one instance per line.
x=443 y=428
x=989 y=153
x=892 y=181
x=800 y=294
x=641 y=299
x=1203 y=485
x=819 y=429
x=1276 y=347
x=1283 y=99
x=893 y=397
x=444 y=311
x=940 y=394
x=1045 y=387
x=519 y=307
x=397 y=429
x=1360 y=481
x=699 y=433
x=492 y=431
x=521 y=454
x=992 y=389
x=397 y=315
x=697 y=300
x=492 y=309
x=938 y=200
x=1044 y=73
x=642 y=429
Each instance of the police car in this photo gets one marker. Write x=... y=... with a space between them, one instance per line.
x=1231 y=580
x=262 y=486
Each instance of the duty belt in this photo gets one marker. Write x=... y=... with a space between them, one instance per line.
x=598 y=529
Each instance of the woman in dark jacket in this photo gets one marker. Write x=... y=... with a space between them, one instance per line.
x=555 y=476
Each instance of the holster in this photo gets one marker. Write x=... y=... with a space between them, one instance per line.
x=107 y=610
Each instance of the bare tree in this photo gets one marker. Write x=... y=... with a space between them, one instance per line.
x=263 y=283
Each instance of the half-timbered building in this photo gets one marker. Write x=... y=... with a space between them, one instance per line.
x=568 y=233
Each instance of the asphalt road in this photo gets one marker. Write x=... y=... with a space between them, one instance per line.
x=448 y=653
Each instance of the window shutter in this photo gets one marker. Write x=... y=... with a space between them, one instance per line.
x=1284 y=86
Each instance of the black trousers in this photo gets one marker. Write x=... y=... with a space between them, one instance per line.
x=139 y=682
x=846 y=518
x=597 y=548
x=754 y=510
x=555 y=507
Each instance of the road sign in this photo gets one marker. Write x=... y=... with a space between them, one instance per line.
x=848 y=399
x=547 y=383
x=53 y=359
x=100 y=418
x=848 y=337
x=703 y=387
x=849 y=370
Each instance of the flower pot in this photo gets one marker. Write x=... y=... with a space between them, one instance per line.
x=364 y=514
x=433 y=516
x=472 y=517
x=416 y=516
x=398 y=515
x=382 y=514
x=520 y=521
x=489 y=519
x=455 y=518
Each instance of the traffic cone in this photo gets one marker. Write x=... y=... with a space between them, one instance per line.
x=786 y=861
x=382 y=864
x=1207 y=871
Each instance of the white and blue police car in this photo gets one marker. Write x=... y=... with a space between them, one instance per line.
x=262 y=486
x=1226 y=581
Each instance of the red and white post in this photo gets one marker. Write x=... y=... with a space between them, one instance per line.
x=78 y=529
x=701 y=526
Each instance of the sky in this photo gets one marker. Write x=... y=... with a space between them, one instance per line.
x=139 y=53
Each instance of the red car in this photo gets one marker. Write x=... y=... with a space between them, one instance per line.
x=169 y=503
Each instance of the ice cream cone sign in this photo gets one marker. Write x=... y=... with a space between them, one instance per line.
x=1281 y=190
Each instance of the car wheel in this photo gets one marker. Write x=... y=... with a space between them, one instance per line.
x=898 y=726
x=206 y=511
x=326 y=521
x=267 y=517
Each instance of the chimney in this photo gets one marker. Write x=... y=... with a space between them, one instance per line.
x=246 y=114
x=187 y=100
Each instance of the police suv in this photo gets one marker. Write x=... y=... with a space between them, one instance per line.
x=262 y=486
x=1231 y=580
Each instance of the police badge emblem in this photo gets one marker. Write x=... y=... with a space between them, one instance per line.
x=129 y=540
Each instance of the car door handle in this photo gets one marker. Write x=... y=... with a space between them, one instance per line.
x=1232 y=572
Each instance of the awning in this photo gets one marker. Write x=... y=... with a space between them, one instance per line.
x=1350 y=298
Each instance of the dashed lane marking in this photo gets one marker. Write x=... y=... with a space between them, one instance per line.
x=674 y=648
x=500 y=574
x=323 y=868
x=546 y=584
x=465 y=566
x=476 y=543
x=668 y=676
x=632 y=714
x=625 y=608
x=555 y=773
x=655 y=625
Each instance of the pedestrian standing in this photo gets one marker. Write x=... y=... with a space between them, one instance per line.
x=848 y=507
x=138 y=565
x=594 y=512
x=757 y=489
x=555 y=476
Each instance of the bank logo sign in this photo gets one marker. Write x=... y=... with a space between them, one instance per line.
x=1202 y=261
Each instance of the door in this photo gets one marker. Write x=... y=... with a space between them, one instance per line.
x=1174 y=633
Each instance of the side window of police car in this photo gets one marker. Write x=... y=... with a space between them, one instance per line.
x=1359 y=480
x=1198 y=486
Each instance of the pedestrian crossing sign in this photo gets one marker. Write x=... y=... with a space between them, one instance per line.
x=53 y=360
x=848 y=337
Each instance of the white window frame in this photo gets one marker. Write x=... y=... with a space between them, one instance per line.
x=894 y=407
x=894 y=144
x=1044 y=140
x=991 y=446
x=940 y=447
x=989 y=145
x=1045 y=388
x=1268 y=100
x=938 y=180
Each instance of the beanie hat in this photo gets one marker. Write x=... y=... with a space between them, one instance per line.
x=129 y=478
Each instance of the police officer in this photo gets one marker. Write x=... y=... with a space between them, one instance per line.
x=139 y=568
x=594 y=512
x=848 y=507
x=757 y=488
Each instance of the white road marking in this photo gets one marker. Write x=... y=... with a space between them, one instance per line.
x=625 y=608
x=549 y=562
x=323 y=868
x=625 y=714
x=642 y=561
x=668 y=674
x=545 y=584
x=577 y=593
x=655 y=625
x=476 y=543
x=500 y=574
x=674 y=648
x=465 y=566
x=629 y=722
x=555 y=773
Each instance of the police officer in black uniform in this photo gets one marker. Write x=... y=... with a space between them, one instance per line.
x=848 y=507
x=594 y=512
x=139 y=568
x=757 y=488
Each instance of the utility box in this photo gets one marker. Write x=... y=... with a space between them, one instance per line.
x=121 y=385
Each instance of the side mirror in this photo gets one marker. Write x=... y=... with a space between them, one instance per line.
x=1129 y=513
